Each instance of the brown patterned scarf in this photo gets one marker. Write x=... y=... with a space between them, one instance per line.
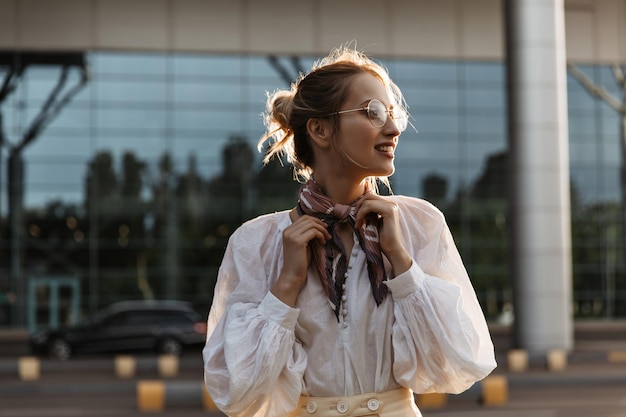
x=331 y=259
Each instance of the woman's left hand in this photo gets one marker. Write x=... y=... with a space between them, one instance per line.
x=389 y=235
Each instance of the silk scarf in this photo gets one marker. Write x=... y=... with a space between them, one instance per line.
x=331 y=260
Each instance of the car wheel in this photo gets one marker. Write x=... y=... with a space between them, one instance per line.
x=170 y=346
x=60 y=349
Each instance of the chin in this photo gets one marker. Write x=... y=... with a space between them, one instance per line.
x=386 y=172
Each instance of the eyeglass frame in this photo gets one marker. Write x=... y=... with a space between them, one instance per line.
x=388 y=114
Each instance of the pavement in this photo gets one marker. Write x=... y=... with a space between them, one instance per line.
x=597 y=363
x=596 y=345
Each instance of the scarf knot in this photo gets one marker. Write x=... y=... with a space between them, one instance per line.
x=330 y=259
x=341 y=212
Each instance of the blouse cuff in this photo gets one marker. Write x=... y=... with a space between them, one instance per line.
x=279 y=312
x=407 y=282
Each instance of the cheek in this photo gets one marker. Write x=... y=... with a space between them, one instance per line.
x=356 y=138
x=356 y=143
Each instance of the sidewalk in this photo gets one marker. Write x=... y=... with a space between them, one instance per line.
x=588 y=360
x=589 y=337
x=527 y=392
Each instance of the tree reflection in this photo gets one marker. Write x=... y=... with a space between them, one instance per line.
x=162 y=232
x=164 y=235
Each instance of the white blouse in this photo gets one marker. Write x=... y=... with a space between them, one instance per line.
x=429 y=334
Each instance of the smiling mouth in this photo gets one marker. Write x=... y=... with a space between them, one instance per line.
x=385 y=148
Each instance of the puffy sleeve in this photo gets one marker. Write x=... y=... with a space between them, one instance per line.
x=440 y=336
x=253 y=365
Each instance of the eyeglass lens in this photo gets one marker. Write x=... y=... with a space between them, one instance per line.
x=377 y=112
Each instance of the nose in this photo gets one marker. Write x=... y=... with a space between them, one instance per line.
x=391 y=128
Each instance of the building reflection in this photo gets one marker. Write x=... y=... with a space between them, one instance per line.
x=132 y=189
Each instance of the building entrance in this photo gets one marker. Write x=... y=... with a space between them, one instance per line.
x=52 y=301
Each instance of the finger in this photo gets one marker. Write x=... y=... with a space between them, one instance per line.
x=302 y=240
x=307 y=229
x=312 y=223
x=366 y=208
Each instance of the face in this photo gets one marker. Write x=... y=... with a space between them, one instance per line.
x=366 y=150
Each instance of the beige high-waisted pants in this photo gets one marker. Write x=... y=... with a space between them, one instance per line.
x=396 y=403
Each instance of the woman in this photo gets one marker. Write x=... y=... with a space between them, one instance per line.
x=351 y=301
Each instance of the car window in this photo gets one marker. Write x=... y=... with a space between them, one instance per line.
x=141 y=318
x=115 y=320
x=130 y=318
x=173 y=317
x=151 y=317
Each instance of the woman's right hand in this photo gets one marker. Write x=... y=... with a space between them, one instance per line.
x=297 y=256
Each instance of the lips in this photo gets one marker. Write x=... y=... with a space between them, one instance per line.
x=385 y=148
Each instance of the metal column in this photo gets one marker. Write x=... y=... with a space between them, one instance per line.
x=539 y=163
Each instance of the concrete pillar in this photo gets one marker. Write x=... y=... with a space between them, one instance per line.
x=539 y=161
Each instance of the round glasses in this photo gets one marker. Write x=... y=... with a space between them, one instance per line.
x=377 y=113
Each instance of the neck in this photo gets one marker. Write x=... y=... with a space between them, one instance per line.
x=341 y=190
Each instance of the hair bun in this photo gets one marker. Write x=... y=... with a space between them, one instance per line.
x=280 y=109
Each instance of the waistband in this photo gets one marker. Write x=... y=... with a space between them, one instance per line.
x=373 y=404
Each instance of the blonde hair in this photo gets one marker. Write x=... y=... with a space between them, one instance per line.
x=318 y=94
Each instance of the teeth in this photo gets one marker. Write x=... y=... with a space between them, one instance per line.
x=385 y=148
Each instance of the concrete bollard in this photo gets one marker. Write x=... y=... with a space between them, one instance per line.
x=157 y=395
x=168 y=365
x=125 y=366
x=207 y=401
x=431 y=400
x=616 y=356
x=495 y=390
x=150 y=396
x=29 y=368
x=517 y=360
x=556 y=360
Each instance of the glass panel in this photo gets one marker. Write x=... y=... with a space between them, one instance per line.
x=582 y=124
x=492 y=73
x=583 y=153
x=587 y=183
x=428 y=124
x=156 y=160
x=129 y=64
x=215 y=92
x=202 y=66
x=611 y=150
x=431 y=97
x=485 y=98
x=149 y=94
x=429 y=71
x=485 y=124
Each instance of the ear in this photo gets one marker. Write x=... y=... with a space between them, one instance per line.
x=319 y=131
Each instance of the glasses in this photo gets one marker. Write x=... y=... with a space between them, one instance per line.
x=377 y=113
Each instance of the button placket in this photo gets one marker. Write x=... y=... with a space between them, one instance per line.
x=344 y=297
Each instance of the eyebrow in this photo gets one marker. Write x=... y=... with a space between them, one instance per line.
x=366 y=102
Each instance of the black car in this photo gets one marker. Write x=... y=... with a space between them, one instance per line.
x=161 y=326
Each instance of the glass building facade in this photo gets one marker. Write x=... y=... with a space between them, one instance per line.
x=122 y=175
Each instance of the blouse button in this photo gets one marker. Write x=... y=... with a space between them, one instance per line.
x=344 y=312
x=311 y=407
x=342 y=406
x=373 y=404
x=344 y=298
